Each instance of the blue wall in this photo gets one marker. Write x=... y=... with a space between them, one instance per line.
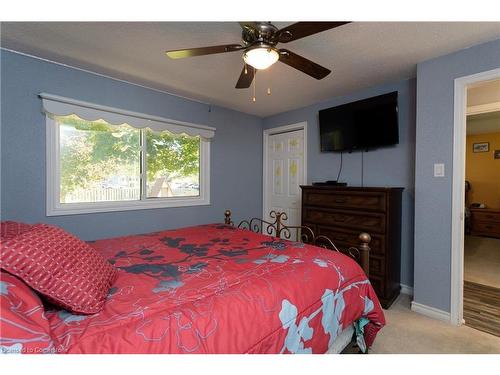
x=236 y=152
x=392 y=166
x=434 y=144
x=236 y=159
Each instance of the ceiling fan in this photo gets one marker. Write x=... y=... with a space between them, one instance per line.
x=260 y=52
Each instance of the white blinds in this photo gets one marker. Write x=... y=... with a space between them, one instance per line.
x=54 y=105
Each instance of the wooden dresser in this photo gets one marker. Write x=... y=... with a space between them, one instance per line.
x=485 y=222
x=341 y=213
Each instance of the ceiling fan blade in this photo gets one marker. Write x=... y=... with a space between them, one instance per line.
x=246 y=77
x=181 y=53
x=303 y=64
x=302 y=29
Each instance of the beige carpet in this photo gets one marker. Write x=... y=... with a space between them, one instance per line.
x=482 y=260
x=409 y=332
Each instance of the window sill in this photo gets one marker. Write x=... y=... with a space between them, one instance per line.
x=88 y=208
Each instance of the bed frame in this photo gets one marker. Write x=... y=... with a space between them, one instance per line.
x=303 y=234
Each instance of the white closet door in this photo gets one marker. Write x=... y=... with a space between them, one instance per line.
x=285 y=172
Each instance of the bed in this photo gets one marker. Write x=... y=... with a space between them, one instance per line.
x=206 y=289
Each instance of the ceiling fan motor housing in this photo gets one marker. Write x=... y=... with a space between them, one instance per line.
x=260 y=33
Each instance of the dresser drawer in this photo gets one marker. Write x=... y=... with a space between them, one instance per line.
x=370 y=222
x=347 y=238
x=377 y=265
x=486 y=228
x=348 y=199
x=486 y=216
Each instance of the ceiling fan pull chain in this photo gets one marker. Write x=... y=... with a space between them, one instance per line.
x=254 y=85
x=269 y=87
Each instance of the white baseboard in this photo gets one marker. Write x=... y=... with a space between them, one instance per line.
x=405 y=289
x=431 y=312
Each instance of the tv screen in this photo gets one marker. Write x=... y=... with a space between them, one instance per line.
x=362 y=125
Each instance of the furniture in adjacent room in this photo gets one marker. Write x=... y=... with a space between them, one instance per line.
x=341 y=212
x=485 y=222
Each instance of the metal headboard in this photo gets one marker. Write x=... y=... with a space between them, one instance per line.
x=304 y=234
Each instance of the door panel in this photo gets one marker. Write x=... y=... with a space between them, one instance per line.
x=278 y=177
x=293 y=176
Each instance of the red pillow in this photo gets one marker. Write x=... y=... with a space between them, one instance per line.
x=66 y=270
x=9 y=229
x=23 y=326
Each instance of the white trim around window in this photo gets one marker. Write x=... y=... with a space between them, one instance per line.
x=55 y=208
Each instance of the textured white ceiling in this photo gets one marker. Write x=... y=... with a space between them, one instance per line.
x=484 y=123
x=484 y=93
x=360 y=54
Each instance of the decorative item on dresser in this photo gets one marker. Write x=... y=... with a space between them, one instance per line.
x=485 y=222
x=341 y=212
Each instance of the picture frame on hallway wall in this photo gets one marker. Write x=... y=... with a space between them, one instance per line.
x=481 y=147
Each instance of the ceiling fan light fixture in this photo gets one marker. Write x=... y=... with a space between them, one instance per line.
x=261 y=57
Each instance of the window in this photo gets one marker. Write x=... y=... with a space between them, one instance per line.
x=111 y=164
x=98 y=162
x=172 y=165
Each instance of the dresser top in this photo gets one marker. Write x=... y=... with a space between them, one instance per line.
x=487 y=210
x=351 y=188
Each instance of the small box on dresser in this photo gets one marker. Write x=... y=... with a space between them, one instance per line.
x=342 y=212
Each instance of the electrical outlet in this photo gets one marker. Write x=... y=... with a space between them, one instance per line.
x=439 y=170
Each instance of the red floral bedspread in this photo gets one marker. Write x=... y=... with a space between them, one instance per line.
x=216 y=289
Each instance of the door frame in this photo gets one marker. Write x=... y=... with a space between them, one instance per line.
x=266 y=134
x=458 y=191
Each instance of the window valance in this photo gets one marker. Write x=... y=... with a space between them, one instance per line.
x=54 y=105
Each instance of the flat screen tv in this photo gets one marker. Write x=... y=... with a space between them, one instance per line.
x=362 y=125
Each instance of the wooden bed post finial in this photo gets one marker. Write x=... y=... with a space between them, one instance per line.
x=364 y=249
x=227 y=218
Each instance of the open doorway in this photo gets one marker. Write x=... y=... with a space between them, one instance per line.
x=481 y=275
x=461 y=218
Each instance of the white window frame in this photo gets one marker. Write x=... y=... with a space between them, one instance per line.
x=56 y=208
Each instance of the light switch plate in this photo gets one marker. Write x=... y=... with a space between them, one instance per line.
x=439 y=170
